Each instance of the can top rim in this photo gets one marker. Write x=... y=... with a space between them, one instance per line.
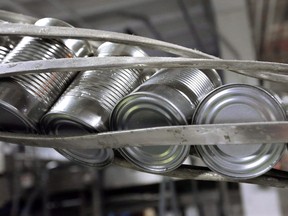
x=227 y=104
x=233 y=85
x=137 y=101
x=54 y=120
x=107 y=158
x=153 y=164
x=21 y=119
x=116 y=49
x=80 y=48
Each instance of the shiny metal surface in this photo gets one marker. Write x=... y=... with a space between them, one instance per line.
x=80 y=48
x=26 y=98
x=119 y=50
x=144 y=110
x=86 y=105
x=191 y=83
x=6 y=44
x=168 y=98
x=263 y=70
x=211 y=134
x=124 y=50
x=239 y=103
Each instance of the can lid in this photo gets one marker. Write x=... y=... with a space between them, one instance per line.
x=98 y=158
x=91 y=157
x=80 y=48
x=14 y=121
x=13 y=109
x=142 y=110
x=67 y=122
x=115 y=49
x=239 y=103
x=86 y=112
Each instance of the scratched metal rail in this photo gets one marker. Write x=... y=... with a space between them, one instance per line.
x=239 y=133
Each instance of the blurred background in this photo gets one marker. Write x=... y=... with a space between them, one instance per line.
x=35 y=181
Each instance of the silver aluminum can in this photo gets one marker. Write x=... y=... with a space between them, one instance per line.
x=238 y=103
x=85 y=107
x=24 y=99
x=167 y=98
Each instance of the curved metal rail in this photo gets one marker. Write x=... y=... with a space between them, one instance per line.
x=98 y=35
x=220 y=134
x=262 y=70
x=241 y=133
x=273 y=178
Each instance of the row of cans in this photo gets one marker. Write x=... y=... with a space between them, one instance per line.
x=120 y=99
x=173 y=97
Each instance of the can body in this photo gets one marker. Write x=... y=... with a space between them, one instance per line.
x=237 y=103
x=85 y=107
x=167 y=98
x=25 y=98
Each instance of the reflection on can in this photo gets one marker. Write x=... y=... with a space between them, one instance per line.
x=85 y=107
x=167 y=98
x=6 y=45
x=233 y=104
x=24 y=99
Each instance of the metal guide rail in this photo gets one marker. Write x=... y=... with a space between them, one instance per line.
x=220 y=134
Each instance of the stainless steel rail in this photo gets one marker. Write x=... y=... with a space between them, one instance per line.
x=263 y=70
x=220 y=134
x=98 y=35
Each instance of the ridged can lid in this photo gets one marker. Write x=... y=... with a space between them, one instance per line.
x=142 y=110
x=238 y=103
x=63 y=124
x=13 y=119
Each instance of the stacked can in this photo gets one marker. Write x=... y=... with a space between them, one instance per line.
x=167 y=98
x=233 y=104
x=24 y=99
x=85 y=107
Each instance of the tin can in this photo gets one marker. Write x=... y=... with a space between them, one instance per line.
x=167 y=98
x=24 y=99
x=86 y=105
x=238 y=103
